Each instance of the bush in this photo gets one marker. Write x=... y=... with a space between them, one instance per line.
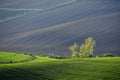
x=11 y=61
x=26 y=53
x=31 y=55
x=108 y=55
x=52 y=56
x=43 y=55
x=59 y=57
x=56 y=56
x=96 y=56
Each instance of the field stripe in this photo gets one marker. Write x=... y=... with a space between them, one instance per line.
x=17 y=9
x=58 y=26
x=32 y=10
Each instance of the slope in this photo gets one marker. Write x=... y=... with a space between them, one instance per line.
x=54 y=30
x=10 y=57
x=64 y=69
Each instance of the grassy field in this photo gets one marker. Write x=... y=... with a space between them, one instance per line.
x=43 y=68
x=9 y=57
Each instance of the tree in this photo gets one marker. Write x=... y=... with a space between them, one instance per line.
x=74 y=50
x=87 y=48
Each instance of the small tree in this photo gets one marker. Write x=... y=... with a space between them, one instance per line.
x=74 y=50
x=87 y=48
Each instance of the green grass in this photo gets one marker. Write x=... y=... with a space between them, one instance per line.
x=43 y=68
x=7 y=57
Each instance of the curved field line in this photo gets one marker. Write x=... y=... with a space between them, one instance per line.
x=16 y=9
x=32 y=10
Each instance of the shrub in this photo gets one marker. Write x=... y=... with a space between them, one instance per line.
x=26 y=53
x=11 y=61
x=56 y=56
x=43 y=55
x=96 y=56
x=108 y=55
x=51 y=55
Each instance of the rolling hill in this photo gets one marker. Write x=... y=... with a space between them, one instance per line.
x=60 y=24
x=10 y=57
x=43 y=68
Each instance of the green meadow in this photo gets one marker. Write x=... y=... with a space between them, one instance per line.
x=9 y=57
x=44 y=68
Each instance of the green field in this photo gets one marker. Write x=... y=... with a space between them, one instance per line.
x=9 y=57
x=43 y=68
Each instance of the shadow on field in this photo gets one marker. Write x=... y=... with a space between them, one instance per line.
x=20 y=74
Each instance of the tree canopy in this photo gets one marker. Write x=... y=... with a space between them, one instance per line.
x=85 y=50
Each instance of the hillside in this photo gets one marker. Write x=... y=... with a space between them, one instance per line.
x=10 y=57
x=44 y=68
x=58 y=24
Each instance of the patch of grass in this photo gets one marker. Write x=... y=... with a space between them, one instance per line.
x=9 y=57
x=43 y=68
